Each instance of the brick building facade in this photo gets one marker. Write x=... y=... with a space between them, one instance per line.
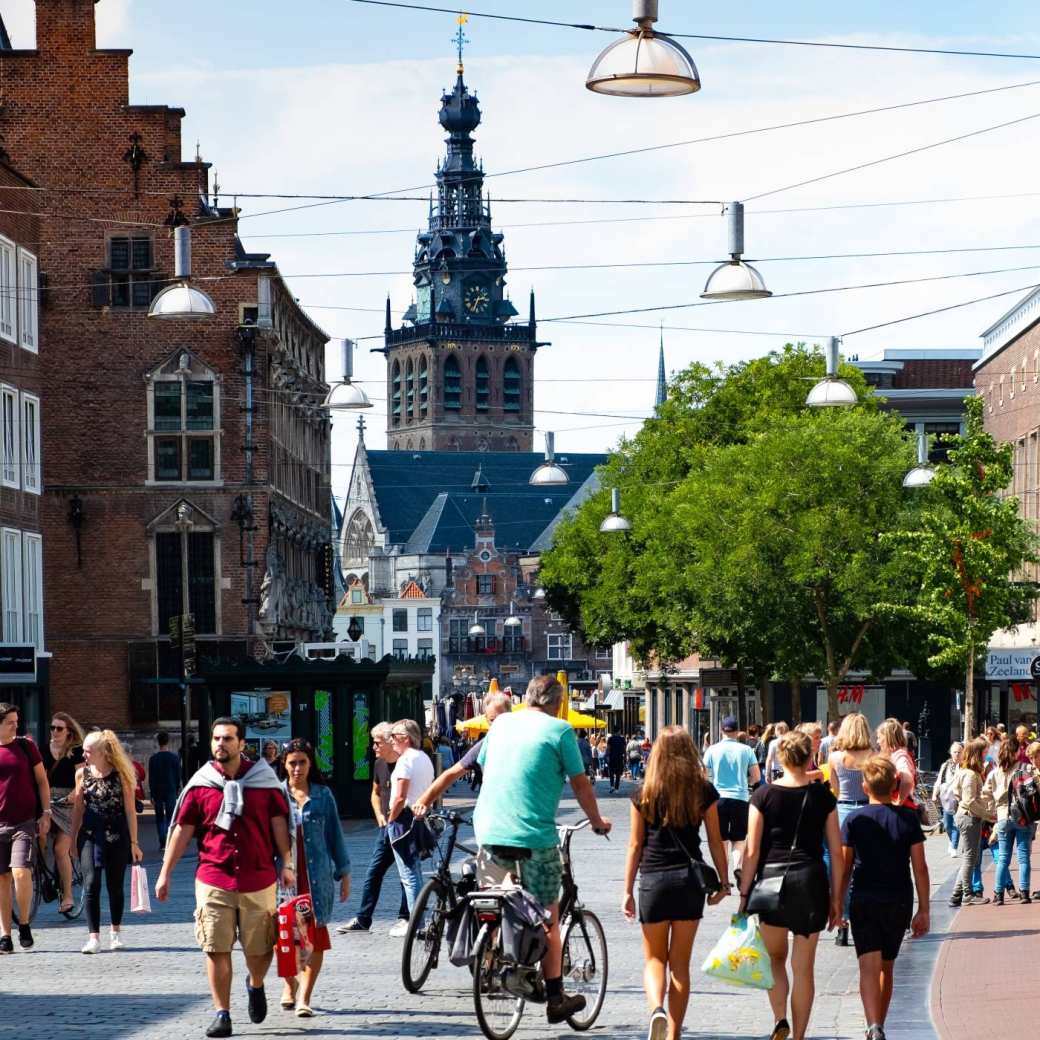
x=160 y=438
x=22 y=613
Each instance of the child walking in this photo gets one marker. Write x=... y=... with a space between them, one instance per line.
x=881 y=843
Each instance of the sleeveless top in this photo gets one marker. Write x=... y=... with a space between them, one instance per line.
x=850 y=784
x=103 y=795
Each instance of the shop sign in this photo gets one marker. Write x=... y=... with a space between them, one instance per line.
x=868 y=700
x=17 y=664
x=1013 y=664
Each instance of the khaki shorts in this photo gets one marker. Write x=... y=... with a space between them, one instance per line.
x=221 y=916
x=540 y=874
x=17 y=842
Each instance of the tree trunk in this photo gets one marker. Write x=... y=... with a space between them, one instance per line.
x=833 y=711
x=969 y=694
x=763 y=699
x=796 y=700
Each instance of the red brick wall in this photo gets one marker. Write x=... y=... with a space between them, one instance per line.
x=923 y=374
x=66 y=123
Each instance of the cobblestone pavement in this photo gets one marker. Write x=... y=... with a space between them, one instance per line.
x=156 y=988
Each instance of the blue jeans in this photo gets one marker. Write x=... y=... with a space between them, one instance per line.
x=409 y=870
x=952 y=833
x=163 y=815
x=1012 y=835
x=976 y=876
x=378 y=865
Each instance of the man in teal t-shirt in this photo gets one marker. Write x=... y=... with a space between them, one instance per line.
x=733 y=769
x=526 y=759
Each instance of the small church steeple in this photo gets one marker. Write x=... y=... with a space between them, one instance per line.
x=662 y=382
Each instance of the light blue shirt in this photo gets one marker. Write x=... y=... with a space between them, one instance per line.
x=729 y=763
x=526 y=758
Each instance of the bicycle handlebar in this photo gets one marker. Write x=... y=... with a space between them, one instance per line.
x=567 y=829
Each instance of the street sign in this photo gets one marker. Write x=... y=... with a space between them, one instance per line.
x=187 y=628
x=17 y=663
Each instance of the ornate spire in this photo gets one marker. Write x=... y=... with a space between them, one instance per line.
x=662 y=382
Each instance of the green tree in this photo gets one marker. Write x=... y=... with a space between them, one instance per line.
x=966 y=549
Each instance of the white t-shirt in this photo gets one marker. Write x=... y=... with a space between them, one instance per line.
x=415 y=767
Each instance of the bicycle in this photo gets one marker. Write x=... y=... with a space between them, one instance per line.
x=438 y=901
x=501 y=987
x=46 y=883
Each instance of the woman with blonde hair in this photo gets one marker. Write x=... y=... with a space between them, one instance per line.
x=773 y=767
x=664 y=847
x=852 y=750
x=63 y=758
x=814 y=731
x=891 y=738
x=974 y=807
x=790 y=822
x=104 y=827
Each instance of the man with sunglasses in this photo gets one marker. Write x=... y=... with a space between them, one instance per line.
x=382 y=854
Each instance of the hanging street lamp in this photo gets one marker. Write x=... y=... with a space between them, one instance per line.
x=615 y=521
x=644 y=63
x=179 y=299
x=513 y=621
x=476 y=630
x=924 y=472
x=346 y=396
x=831 y=392
x=548 y=474
x=735 y=280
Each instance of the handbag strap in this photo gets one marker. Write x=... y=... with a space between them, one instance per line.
x=797 y=828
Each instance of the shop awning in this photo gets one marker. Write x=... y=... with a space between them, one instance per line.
x=614 y=701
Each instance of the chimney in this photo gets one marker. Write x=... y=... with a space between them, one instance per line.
x=62 y=24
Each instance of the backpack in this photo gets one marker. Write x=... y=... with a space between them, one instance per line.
x=1024 y=797
x=524 y=924
x=947 y=799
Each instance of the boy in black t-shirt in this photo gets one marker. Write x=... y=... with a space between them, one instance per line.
x=882 y=842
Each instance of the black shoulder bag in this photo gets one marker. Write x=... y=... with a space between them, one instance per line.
x=700 y=874
x=767 y=896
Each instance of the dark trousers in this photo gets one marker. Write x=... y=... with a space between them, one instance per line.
x=115 y=856
x=163 y=815
x=382 y=860
x=614 y=771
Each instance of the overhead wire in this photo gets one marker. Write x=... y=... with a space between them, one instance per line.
x=888 y=48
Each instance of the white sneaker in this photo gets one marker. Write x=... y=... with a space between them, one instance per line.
x=399 y=930
x=953 y=852
x=115 y=941
x=93 y=944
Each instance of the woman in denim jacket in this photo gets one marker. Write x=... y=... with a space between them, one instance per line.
x=321 y=859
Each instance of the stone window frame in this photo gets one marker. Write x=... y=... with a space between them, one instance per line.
x=184 y=367
x=10 y=439
x=30 y=443
x=28 y=301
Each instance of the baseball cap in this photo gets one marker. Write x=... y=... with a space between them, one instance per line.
x=729 y=724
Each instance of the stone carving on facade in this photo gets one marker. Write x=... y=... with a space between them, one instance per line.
x=272 y=589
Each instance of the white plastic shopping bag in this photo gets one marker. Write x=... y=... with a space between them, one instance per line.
x=140 y=900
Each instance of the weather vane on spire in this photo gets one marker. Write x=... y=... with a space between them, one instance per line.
x=461 y=39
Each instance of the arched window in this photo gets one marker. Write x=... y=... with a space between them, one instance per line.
x=452 y=385
x=483 y=385
x=409 y=391
x=358 y=541
x=512 y=386
x=422 y=443
x=424 y=388
x=395 y=393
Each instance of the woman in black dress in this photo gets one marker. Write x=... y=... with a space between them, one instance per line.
x=63 y=758
x=664 y=846
x=789 y=822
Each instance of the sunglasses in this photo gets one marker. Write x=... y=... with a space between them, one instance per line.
x=58 y=729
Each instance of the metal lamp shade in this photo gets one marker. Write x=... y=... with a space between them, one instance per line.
x=346 y=397
x=548 y=474
x=831 y=393
x=476 y=630
x=735 y=280
x=615 y=522
x=512 y=621
x=644 y=64
x=181 y=300
x=920 y=476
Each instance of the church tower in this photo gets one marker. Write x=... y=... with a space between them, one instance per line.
x=459 y=372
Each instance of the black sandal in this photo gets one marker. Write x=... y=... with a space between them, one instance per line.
x=781 y=1031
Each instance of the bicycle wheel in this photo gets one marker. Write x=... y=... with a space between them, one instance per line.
x=423 y=939
x=37 y=888
x=585 y=966
x=498 y=1012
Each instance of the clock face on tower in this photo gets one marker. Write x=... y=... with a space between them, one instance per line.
x=477 y=299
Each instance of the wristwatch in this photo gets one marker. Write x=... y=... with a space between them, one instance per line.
x=46 y=812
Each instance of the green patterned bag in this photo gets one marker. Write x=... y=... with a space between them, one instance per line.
x=740 y=957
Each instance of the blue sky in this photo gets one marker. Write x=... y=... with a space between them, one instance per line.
x=332 y=96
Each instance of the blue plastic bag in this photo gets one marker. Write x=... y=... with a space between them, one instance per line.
x=740 y=957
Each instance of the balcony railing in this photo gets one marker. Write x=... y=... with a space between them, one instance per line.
x=516 y=332
x=487 y=645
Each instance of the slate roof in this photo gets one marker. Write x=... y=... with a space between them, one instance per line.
x=426 y=500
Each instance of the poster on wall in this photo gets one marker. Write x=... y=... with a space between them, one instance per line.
x=362 y=769
x=324 y=747
x=266 y=716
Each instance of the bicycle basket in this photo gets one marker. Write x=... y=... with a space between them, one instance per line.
x=524 y=923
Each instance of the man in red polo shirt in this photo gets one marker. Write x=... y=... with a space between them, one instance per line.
x=238 y=812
